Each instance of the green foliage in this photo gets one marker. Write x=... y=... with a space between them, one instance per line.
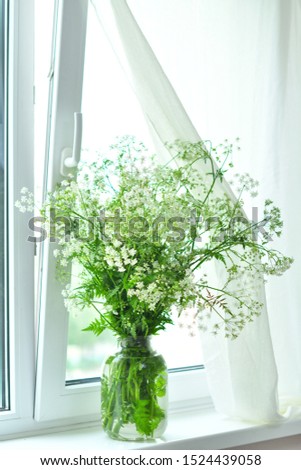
x=97 y=327
x=133 y=384
x=147 y=416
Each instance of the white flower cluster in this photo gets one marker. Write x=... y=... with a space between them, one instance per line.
x=246 y=183
x=70 y=247
x=69 y=301
x=277 y=267
x=150 y=295
x=26 y=203
x=188 y=283
x=119 y=257
x=163 y=289
x=136 y=196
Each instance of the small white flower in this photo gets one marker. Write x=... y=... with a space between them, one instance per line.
x=133 y=262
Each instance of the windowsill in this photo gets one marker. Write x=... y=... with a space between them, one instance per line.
x=190 y=430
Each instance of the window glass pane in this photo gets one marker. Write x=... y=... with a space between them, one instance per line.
x=110 y=109
x=3 y=343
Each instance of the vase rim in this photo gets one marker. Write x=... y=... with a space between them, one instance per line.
x=131 y=341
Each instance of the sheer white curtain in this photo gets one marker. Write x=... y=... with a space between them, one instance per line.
x=235 y=67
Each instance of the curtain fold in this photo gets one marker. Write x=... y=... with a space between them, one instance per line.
x=242 y=374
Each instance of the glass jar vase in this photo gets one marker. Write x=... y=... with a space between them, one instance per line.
x=134 y=392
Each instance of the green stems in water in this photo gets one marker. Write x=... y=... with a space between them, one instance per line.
x=134 y=393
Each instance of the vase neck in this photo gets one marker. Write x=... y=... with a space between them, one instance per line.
x=141 y=342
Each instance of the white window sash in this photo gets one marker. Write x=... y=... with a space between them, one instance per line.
x=53 y=399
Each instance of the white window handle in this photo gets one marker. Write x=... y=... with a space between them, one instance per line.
x=71 y=157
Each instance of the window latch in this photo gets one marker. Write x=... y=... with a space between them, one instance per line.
x=70 y=157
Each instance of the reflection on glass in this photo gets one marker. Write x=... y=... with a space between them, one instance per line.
x=110 y=109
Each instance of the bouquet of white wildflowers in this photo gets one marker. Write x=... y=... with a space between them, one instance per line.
x=141 y=231
x=142 y=236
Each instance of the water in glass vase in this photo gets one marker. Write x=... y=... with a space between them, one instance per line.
x=134 y=392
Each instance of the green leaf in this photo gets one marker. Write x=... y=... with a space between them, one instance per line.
x=219 y=257
x=148 y=416
x=97 y=327
x=160 y=386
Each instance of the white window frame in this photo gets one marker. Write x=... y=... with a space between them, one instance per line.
x=55 y=400
x=19 y=103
